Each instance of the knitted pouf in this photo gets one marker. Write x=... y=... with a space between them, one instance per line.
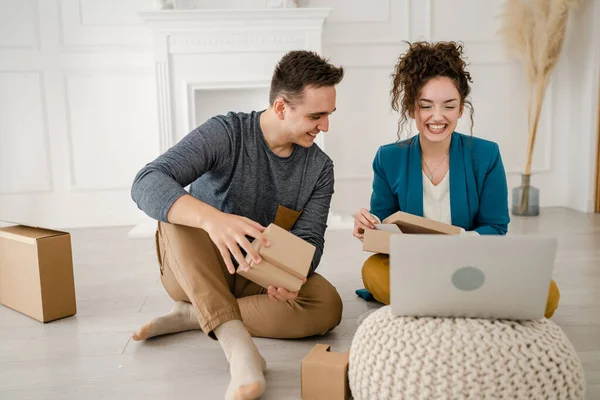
x=456 y=358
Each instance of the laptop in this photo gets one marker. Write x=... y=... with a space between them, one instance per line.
x=498 y=277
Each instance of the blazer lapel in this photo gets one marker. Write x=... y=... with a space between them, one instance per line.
x=459 y=207
x=414 y=189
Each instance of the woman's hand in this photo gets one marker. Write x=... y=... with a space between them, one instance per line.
x=363 y=220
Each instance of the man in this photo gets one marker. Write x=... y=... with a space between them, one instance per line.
x=246 y=170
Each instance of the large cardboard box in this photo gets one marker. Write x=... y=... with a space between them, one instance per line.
x=285 y=263
x=378 y=241
x=324 y=374
x=36 y=272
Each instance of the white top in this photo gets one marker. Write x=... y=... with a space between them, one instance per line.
x=436 y=199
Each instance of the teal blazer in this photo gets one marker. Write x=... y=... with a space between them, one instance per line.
x=478 y=188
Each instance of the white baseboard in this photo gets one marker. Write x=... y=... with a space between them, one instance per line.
x=591 y=206
x=146 y=229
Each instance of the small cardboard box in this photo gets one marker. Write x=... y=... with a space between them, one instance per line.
x=36 y=272
x=324 y=374
x=409 y=223
x=377 y=241
x=285 y=263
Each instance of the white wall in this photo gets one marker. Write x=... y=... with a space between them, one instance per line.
x=368 y=42
x=77 y=110
x=78 y=105
x=579 y=72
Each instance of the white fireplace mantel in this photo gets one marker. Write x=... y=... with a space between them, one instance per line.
x=168 y=20
x=187 y=43
x=200 y=51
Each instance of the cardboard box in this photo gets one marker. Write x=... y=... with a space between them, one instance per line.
x=377 y=241
x=285 y=263
x=36 y=272
x=409 y=223
x=324 y=374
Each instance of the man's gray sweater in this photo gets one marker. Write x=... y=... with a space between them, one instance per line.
x=230 y=166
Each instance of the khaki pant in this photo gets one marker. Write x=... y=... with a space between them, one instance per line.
x=376 y=278
x=193 y=270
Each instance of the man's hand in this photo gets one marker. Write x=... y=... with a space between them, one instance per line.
x=228 y=232
x=363 y=220
x=281 y=294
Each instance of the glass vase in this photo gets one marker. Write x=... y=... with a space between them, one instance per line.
x=526 y=198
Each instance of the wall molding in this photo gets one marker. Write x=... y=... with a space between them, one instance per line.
x=82 y=23
x=165 y=126
x=36 y=46
x=45 y=135
x=79 y=73
x=235 y=42
x=388 y=19
x=77 y=36
x=231 y=20
x=406 y=23
x=429 y=29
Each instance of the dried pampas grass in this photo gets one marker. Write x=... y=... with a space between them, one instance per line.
x=533 y=32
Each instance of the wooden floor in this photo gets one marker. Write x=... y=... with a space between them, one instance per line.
x=90 y=356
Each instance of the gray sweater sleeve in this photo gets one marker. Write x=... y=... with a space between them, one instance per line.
x=312 y=223
x=160 y=183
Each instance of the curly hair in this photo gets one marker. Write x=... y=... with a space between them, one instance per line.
x=298 y=69
x=419 y=64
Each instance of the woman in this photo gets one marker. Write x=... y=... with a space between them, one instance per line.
x=438 y=174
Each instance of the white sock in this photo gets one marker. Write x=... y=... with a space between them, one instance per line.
x=246 y=365
x=181 y=318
